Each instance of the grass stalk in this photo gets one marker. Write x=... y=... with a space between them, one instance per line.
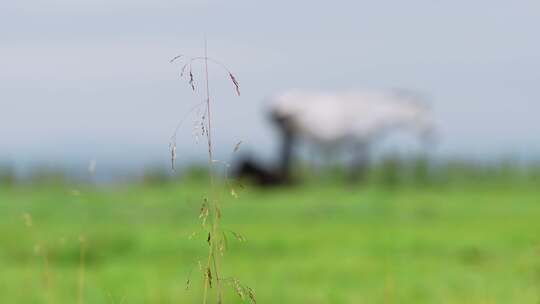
x=211 y=208
x=82 y=271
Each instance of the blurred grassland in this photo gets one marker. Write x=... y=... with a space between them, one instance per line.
x=470 y=238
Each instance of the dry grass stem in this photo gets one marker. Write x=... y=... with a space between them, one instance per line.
x=210 y=211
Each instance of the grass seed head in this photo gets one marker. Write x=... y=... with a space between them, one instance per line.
x=172 y=148
x=191 y=79
x=235 y=82
x=237 y=146
x=209 y=276
x=175 y=58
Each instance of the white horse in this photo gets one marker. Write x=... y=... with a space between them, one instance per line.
x=351 y=119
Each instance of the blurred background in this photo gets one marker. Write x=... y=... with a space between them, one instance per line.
x=379 y=152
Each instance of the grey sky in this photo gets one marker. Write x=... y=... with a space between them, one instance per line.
x=91 y=79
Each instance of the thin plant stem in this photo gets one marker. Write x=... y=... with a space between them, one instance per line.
x=214 y=204
x=80 y=291
x=211 y=208
x=46 y=275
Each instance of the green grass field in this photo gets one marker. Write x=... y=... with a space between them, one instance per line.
x=464 y=243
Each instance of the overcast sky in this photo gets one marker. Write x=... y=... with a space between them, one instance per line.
x=91 y=79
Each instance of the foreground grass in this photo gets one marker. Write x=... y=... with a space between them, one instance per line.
x=309 y=244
